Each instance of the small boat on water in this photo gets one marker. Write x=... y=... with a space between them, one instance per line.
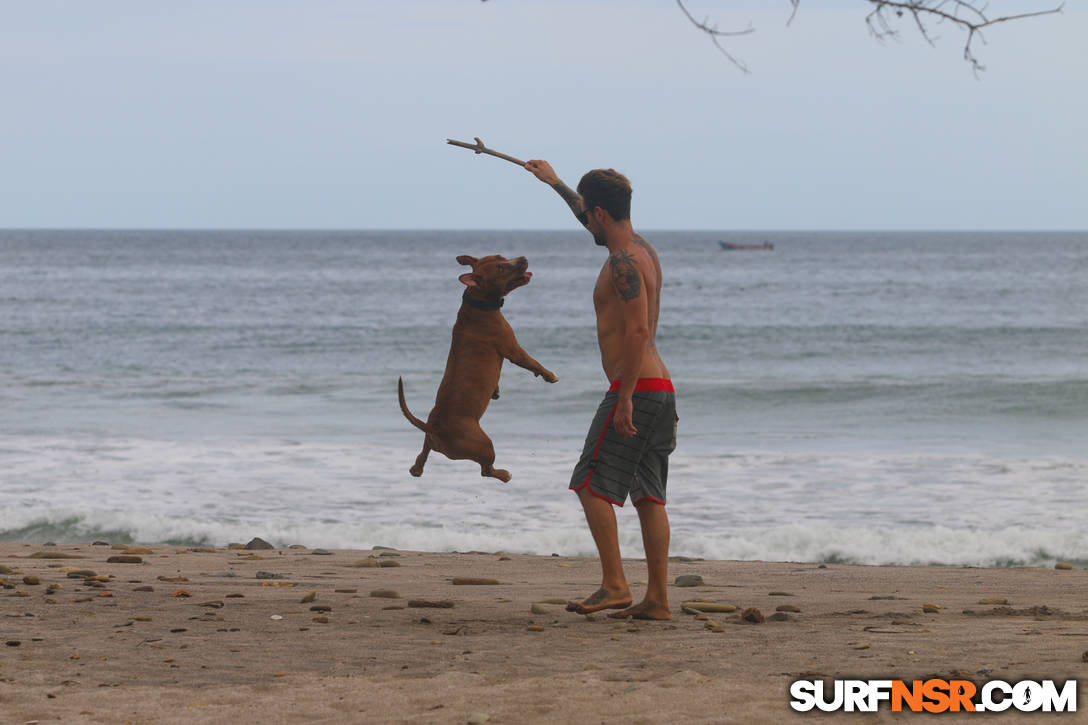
x=729 y=246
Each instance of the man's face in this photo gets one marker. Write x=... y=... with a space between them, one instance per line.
x=595 y=227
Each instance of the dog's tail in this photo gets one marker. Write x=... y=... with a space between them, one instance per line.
x=404 y=408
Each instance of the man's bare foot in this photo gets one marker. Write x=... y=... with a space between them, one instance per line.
x=644 y=610
x=601 y=599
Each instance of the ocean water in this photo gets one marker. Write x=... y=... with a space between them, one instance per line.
x=865 y=397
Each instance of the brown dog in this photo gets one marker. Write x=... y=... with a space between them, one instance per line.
x=482 y=339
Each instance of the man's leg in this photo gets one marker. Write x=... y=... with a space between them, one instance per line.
x=655 y=540
x=614 y=593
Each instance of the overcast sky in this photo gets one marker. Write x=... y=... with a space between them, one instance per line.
x=334 y=114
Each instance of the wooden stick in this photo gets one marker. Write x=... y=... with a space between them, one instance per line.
x=479 y=148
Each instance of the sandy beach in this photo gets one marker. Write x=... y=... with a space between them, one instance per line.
x=168 y=634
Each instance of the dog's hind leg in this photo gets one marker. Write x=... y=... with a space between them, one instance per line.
x=474 y=445
x=417 y=469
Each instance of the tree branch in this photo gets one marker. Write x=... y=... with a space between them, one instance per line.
x=952 y=11
x=715 y=34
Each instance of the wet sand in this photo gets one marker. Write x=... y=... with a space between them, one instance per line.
x=224 y=636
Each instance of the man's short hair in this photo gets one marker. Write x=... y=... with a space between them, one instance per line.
x=608 y=189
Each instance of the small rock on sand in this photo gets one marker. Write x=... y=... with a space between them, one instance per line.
x=1063 y=566
x=320 y=552
x=258 y=543
x=386 y=563
x=778 y=617
x=710 y=607
x=535 y=628
x=385 y=594
x=538 y=609
x=688 y=580
x=472 y=580
x=31 y=580
x=787 y=608
x=310 y=596
x=752 y=616
x=125 y=559
x=997 y=601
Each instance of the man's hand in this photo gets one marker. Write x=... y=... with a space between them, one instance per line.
x=542 y=170
x=623 y=418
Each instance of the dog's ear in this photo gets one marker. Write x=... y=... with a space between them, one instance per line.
x=470 y=279
x=465 y=259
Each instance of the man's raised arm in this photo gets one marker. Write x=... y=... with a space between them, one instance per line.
x=543 y=170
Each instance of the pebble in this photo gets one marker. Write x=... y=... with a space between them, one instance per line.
x=713 y=626
x=124 y=560
x=1063 y=565
x=863 y=645
x=478 y=719
x=1084 y=656
x=81 y=574
x=268 y=575
x=368 y=563
x=778 y=617
x=688 y=580
x=144 y=589
x=276 y=617
x=752 y=616
x=320 y=620
x=6 y=570
x=296 y=546
x=320 y=552
x=780 y=594
x=385 y=594
x=535 y=628
x=387 y=563
x=31 y=580
x=787 y=608
x=139 y=550
x=308 y=598
x=999 y=601
x=472 y=580
x=173 y=579
x=180 y=594
x=931 y=608
x=54 y=555
x=258 y=543
x=236 y=546
x=538 y=609
x=710 y=607
x=345 y=591
x=321 y=608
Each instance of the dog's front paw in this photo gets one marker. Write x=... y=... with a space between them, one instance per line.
x=550 y=377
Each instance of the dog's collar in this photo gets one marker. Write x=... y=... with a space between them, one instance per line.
x=481 y=304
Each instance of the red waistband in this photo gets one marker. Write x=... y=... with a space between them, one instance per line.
x=645 y=384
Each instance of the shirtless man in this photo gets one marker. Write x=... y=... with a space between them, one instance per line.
x=627 y=450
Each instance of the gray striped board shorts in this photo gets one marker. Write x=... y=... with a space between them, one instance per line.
x=614 y=467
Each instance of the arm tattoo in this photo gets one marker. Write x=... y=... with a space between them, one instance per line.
x=574 y=201
x=625 y=277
